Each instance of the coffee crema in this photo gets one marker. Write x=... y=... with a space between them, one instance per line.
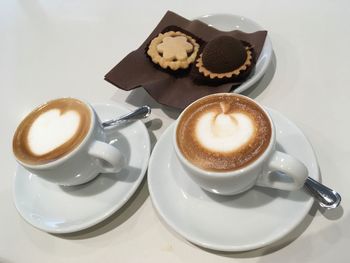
x=51 y=131
x=223 y=133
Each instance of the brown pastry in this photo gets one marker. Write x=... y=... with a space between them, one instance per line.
x=173 y=49
x=225 y=59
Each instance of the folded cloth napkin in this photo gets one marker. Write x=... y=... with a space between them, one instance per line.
x=173 y=89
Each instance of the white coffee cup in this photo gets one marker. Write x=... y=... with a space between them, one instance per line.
x=92 y=156
x=261 y=172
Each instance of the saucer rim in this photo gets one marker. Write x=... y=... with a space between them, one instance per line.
x=207 y=245
x=267 y=45
x=113 y=209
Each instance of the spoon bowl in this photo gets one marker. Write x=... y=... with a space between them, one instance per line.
x=326 y=197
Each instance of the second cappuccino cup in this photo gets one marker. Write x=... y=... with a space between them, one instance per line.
x=62 y=141
x=227 y=144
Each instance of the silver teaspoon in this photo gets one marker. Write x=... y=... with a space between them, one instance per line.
x=139 y=113
x=326 y=197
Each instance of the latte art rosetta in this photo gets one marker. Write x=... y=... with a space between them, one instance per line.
x=224 y=132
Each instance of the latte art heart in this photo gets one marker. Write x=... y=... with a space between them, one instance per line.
x=224 y=132
x=51 y=130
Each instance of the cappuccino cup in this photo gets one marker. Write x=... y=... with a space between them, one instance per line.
x=226 y=143
x=62 y=141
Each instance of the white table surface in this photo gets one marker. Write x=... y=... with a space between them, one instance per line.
x=55 y=48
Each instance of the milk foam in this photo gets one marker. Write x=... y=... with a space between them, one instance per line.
x=224 y=132
x=52 y=129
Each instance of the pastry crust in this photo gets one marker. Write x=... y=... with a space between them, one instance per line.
x=157 y=58
x=231 y=74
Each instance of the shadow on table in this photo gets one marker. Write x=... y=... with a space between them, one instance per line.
x=117 y=219
x=153 y=125
x=274 y=247
x=299 y=251
x=332 y=214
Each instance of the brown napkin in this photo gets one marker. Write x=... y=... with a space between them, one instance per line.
x=176 y=90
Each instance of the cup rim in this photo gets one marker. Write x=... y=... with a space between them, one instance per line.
x=71 y=153
x=247 y=168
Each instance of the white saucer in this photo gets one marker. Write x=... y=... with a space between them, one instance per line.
x=229 y=22
x=56 y=209
x=247 y=221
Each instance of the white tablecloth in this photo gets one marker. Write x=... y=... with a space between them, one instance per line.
x=50 y=49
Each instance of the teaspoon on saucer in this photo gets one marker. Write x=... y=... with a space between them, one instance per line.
x=140 y=113
x=326 y=197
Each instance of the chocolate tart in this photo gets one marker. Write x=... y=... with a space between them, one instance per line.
x=224 y=59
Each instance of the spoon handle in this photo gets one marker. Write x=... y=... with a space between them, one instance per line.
x=139 y=113
x=327 y=197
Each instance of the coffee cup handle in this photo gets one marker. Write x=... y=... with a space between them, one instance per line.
x=110 y=158
x=284 y=172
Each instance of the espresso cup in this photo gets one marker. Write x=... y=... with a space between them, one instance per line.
x=62 y=141
x=227 y=144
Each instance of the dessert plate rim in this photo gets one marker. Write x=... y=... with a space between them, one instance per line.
x=229 y=22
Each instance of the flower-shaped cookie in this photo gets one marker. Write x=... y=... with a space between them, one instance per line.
x=173 y=49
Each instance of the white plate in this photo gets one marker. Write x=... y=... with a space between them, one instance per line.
x=57 y=209
x=247 y=221
x=229 y=22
